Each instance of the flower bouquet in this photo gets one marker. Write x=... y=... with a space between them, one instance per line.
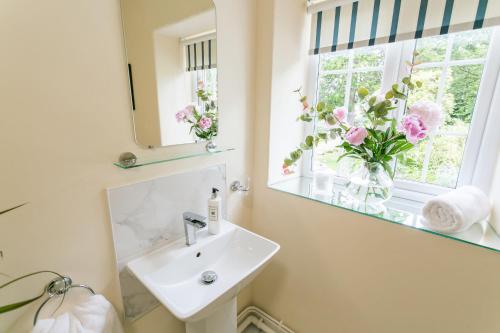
x=204 y=122
x=377 y=139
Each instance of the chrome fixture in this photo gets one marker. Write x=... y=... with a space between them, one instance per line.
x=236 y=186
x=208 y=277
x=192 y=223
x=127 y=159
x=59 y=287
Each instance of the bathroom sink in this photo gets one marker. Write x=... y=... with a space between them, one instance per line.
x=173 y=273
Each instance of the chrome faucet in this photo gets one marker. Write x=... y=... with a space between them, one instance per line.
x=192 y=223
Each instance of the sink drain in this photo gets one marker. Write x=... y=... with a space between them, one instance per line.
x=208 y=277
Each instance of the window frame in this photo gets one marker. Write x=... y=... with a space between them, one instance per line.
x=476 y=157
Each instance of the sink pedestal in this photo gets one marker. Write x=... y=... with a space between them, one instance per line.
x=223 y=320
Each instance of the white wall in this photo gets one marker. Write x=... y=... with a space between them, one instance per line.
x=174 y=89
x=288 y=74
x=66 y=117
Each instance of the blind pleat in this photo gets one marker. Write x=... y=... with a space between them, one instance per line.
x=371 y=22
x=201 y=55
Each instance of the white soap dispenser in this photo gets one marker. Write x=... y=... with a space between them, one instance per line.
x=214 y=212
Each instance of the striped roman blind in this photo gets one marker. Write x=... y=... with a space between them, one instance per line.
x=201 y=55
x=370 y=22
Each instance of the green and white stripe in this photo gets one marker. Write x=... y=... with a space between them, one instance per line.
x=201 y=55
x=370 y=22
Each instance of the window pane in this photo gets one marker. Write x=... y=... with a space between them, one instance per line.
x=332 y=89
x=471 y=45
x=461 y=92
x=445 y=160
x=410 y=166
x=326 y=156
x=369 y=57
x=334 y=61
x=432 y=49
x=211 y=81
x=431 y=78
x=370 y=80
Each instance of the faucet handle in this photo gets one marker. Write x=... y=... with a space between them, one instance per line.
x=194 y=219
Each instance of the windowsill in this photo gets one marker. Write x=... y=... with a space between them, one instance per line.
x=400 y=211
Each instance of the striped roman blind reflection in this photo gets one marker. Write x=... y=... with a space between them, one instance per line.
x=370 y=22
x=201 y=55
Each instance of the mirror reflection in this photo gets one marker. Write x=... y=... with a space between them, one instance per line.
x=172 y=62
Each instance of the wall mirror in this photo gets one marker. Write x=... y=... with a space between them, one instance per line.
x=171 y=49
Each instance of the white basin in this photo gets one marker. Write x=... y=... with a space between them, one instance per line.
x=173 y=273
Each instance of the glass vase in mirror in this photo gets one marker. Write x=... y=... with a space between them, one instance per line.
x=171 y=49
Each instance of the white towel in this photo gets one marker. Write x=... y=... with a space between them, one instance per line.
x=456 y=210
x=93 y=315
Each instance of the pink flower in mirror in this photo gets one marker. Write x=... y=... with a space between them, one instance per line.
x=429 y=112
x=340 y=113
x=185 y=113
x=189 y=111
x=414 y=128
x=205 y=123
x=356 y=135
x=180 y=115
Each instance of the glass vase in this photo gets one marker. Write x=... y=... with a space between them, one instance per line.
x=370 y=186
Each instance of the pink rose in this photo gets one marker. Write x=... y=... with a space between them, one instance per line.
x=205 y=123
x=189 y=110
x=201 y=85
x=414 y=128
x=430 y=113
x=356 y=135
x=286 y=170
x=340 y=113
x=185 y=113
x=305 y=105
x=180 y=116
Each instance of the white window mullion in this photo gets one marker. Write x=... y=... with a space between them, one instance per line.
x=348 y=79
x=311 y=90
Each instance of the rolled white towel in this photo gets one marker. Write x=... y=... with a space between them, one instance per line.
x=456 y=210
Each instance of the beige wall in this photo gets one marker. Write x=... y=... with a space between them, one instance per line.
x=174 y=89
x=65 y=119
x=341 y=272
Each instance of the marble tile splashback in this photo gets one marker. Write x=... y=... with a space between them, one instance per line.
x=148 y=215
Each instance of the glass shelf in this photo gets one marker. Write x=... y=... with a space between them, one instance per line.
x=400 y=211
x=159 y=160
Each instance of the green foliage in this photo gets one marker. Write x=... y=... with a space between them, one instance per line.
x=463 y=91
x=383 y=142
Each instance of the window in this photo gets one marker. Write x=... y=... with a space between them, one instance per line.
x=209 y=79
x=451 y=68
